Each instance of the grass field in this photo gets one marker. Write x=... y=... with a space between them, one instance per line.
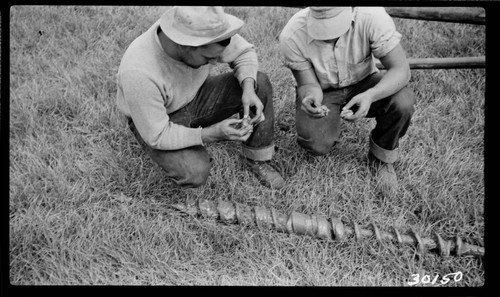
x=87 y=206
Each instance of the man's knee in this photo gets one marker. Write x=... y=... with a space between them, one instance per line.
x=194 y=175
x=188 y=168
x=404 y=101
x=316 y=146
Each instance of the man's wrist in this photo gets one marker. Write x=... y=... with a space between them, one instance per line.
x=207 y=135
x=313 y=90
x=248 y=84
x=371 y=93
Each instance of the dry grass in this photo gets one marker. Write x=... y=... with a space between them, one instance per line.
x=88 y=207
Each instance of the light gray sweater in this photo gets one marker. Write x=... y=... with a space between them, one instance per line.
x=152 y=85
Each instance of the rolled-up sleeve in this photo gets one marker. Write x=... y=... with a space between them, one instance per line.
x=383 y=34
x=242 y=58
x=291 y=55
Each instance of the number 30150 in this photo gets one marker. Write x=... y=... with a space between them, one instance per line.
x=426 y=279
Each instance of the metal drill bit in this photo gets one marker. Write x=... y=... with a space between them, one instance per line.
x=328 y=228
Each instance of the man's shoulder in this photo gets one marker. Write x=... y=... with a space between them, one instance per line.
x=142 y=42
x=140 y=52
x=369 y=12
x=295 y=25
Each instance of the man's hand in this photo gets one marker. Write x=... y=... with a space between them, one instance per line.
x=227 y=130
x=394 y=79
x=250 y=99
x=363 y=101
x=313 y=107
x=309 y=89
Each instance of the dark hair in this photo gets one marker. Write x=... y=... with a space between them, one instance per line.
x=224 y=42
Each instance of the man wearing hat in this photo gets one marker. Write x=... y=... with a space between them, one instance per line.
x=174 y=107
x=330 y=51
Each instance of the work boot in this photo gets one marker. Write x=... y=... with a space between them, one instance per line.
x=266 y=174
x=386 y=179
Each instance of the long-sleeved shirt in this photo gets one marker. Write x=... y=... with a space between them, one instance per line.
x=152 y=85
x=350 y=59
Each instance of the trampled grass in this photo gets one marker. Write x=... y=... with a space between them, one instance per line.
x=87 y=206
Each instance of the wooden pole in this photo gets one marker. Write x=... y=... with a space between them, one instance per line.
x=467 y=15
x=443 y=63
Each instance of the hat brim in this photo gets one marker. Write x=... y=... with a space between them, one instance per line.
x=178 y=37
x=330 y=28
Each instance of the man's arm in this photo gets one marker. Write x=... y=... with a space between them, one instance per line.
x=242 y=58
x=147 y=110
x=309 y=91
x=249 y=99
x=396 y=77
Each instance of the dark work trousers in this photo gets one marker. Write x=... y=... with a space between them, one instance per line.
x=392 y=114
x=218 y=99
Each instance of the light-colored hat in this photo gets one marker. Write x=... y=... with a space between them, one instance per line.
x=325 y=23
x=199 y=25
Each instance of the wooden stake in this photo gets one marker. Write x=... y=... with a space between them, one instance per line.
x=467 y=15
x=443 y=63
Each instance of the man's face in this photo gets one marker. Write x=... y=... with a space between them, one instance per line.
x=196 y=57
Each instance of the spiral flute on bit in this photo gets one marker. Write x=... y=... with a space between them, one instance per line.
x=329 y=228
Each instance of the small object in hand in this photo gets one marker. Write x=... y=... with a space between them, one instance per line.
x=346 y=112
x=323 y=110
x=246 y=122
x=243 y=124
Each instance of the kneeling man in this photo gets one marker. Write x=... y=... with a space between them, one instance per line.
x=174 y=107
x=330 y=51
